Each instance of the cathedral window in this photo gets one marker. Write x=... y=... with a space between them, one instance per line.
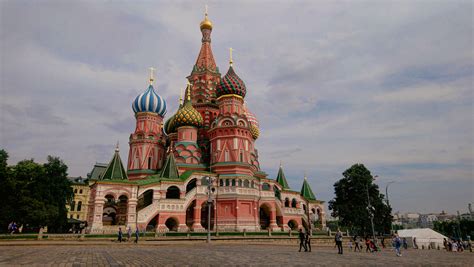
x=221 y=182
x=75 y=191
x=241 y=156
x=246 y=183
x=73 y=205
x=149 y=163
x=293 y=203
x=227 y=182
x=79 y=206
x=233 y=182
x=265 y=187
x=287 y=202
x=240 y=183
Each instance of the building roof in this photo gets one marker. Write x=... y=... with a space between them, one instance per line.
x=169 y=169
x=281 y=179
x=78 y=180
x=115 y=169
x=97 y=171
x=306 y=191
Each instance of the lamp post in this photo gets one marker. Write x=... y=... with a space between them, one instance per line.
x=210 y=190
x=370 y=210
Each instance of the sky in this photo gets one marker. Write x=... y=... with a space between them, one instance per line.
x=385 y=83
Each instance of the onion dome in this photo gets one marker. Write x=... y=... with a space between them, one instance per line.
x=231 y=84
x=187 y=115
x=254 y=131
x=169 y=125
x=149 y=101
x=252 y=119
x=206 y=23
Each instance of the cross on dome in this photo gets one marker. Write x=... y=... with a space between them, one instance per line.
x=230 y=58
x=151 y=75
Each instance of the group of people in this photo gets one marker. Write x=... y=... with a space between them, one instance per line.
x=13 y=228
x=305 y=241
x=454 y=245
x=129 y=235
x=357 y=242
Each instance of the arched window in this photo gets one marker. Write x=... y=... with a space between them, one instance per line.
x=287 y=202
x=241 y=156
x=79 y=205
x=246 y=183
x=80 y=191
x=233 y=182
x=75 y=191
x=240 y=183
x=266 y=187
x=252 y=184
x=172 y=192
x=221 y=182
x=293 y=203
x=227 y=182
x=149 y=163
x=73 y=205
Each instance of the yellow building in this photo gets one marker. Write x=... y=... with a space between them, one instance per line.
x=78 y=207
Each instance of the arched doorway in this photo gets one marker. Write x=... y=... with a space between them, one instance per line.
x=204 y=215
x=109 y=212
x=151 y=226
x=172 y=192
x=264 y=213
x=190 y=214
x=172 y=224
x=122 y=209
x=293 y=225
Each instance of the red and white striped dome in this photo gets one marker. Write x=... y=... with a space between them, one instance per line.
x=251 y=117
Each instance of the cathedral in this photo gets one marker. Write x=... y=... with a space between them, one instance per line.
x=202 y=160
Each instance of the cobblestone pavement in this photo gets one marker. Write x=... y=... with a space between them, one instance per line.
x=202 y=254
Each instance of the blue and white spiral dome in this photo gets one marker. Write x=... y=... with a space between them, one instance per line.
x=149 y=101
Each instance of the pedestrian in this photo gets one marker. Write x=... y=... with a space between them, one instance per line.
x=14 y=227
x=20 y=229
x=302 y=241
x=454 y=246
x=383 y=242
x=350 y=244
x=415 y=246
x=357 y=243
x=405 y=244
x=398 y=243
x=367 y=244
x=129 y=234
x=338 y=239
x=120 y=235
x=308 y=241
x=137 y=233
x=445 y=244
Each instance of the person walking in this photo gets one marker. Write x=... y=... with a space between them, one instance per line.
x=137 y=233
x=338 y=239
x=302 y=241
x=415 y=246
x=357 y=244
x=367 y=245
x=120 y=235
x=398 y=243
x=308 y=241
x=129 y=234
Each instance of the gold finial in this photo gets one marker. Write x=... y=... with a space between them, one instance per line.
x=151 y=75
x=280 y=163
x=305 y=178
x=230 y=58
x=206 y=23
x=189 y=91
x=117 y=147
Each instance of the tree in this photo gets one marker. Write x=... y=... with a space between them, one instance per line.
x=350 y=205
x=34 y=194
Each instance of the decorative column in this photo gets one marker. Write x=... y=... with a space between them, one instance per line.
x=197 y=227
x=132 y=212
x=273 y=224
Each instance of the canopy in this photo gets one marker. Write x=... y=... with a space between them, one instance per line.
x=424 y=236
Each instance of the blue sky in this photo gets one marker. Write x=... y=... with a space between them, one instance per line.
x=333 y=83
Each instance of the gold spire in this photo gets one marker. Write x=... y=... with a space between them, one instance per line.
x=189 y=91
x=206 y=23
x=117 y=147
x=181 y=97
x=230 y=58
x=280 y=163
x=151 y=75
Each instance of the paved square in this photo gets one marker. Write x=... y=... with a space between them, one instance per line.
x=217 y=254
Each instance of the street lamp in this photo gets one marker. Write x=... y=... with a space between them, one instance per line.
x=370 y=210
x=210 y=190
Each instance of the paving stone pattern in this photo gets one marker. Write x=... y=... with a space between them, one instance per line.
x=202 y=254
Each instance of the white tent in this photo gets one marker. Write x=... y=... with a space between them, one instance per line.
x=424 y=237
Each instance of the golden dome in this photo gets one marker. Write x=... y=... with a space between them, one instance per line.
x=206 y=23
x=254 y=131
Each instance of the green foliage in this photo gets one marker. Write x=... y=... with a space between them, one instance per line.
x=350 y=205
x=34 y=194
x=455 y=229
